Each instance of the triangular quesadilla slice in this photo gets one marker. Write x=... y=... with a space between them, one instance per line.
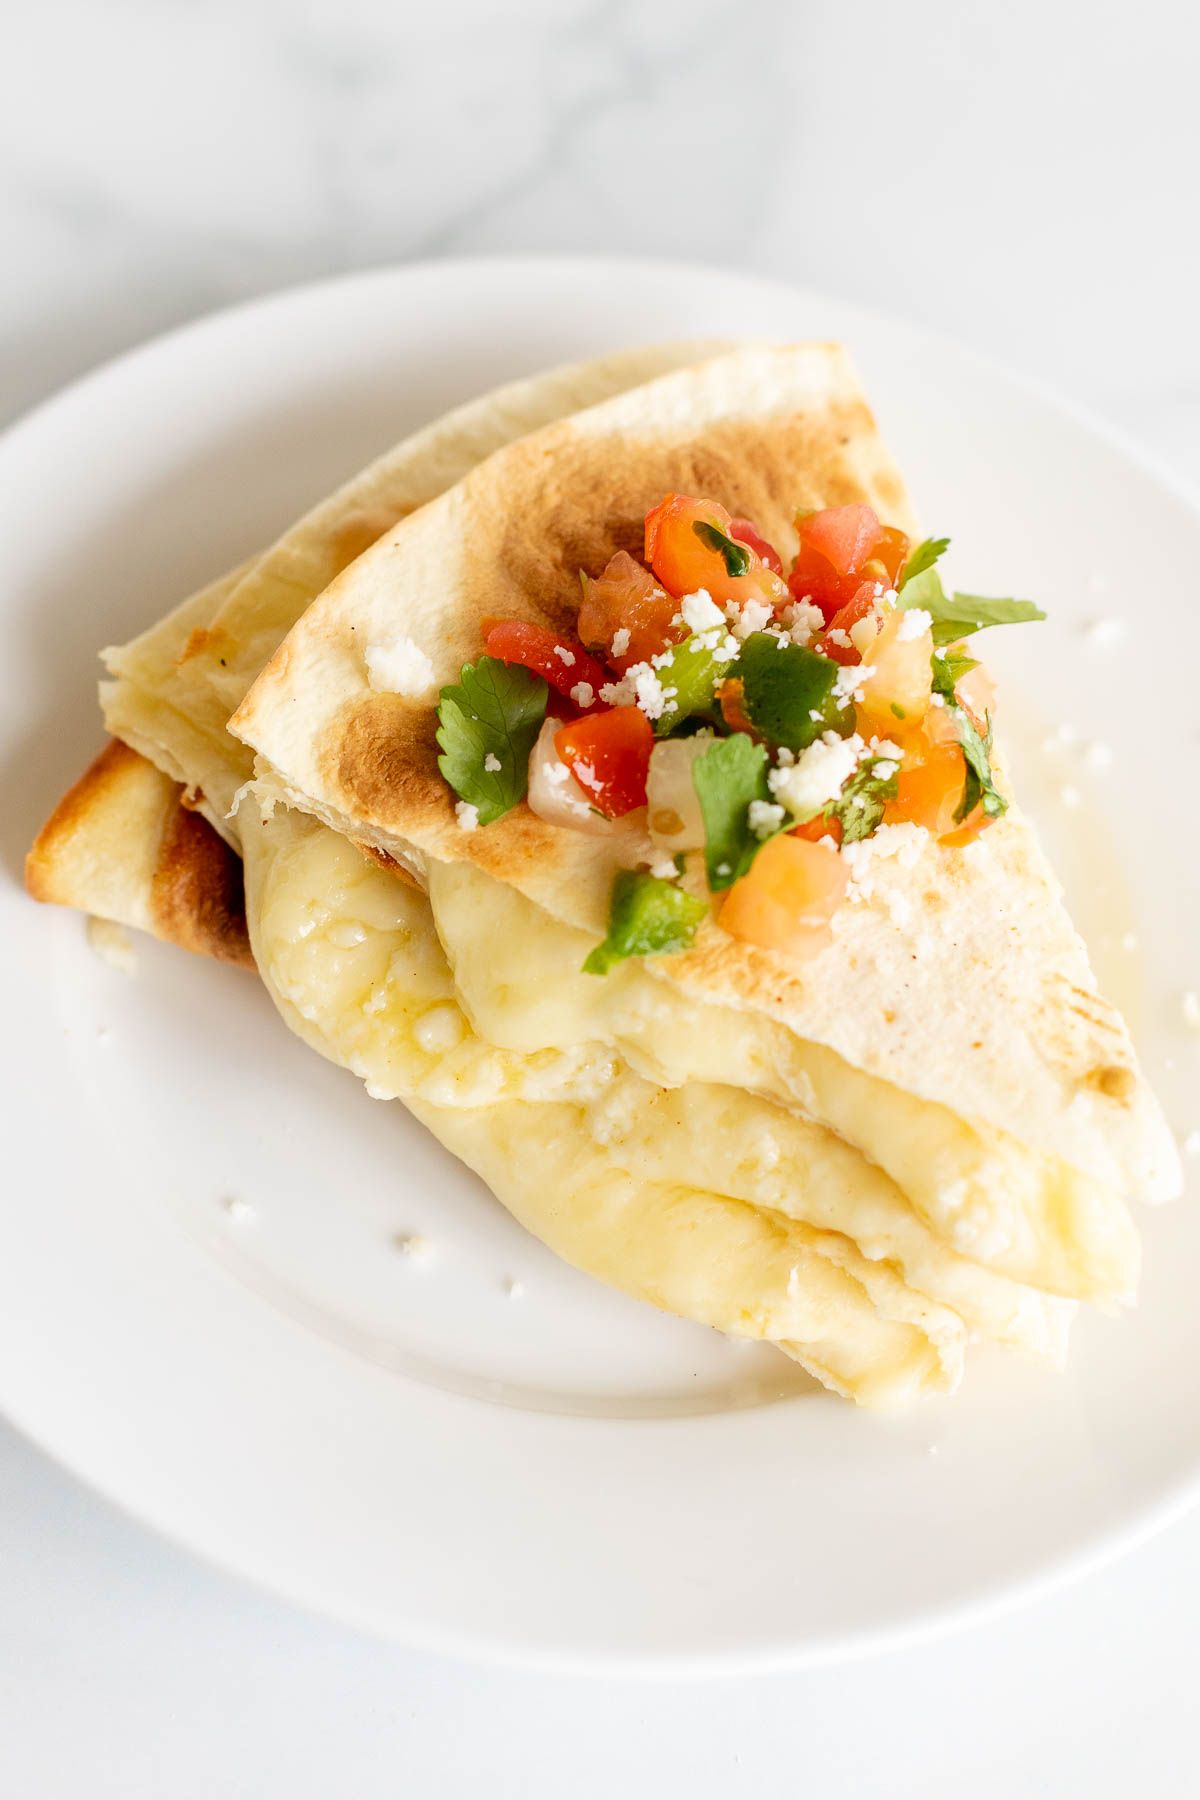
x=942 y=1016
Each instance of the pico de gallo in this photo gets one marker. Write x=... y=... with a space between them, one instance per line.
x=765 y=718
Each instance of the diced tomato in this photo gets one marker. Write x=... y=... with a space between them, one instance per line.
x=856 y=608
x=928 y=793
x=626 y=597
x=843 y=535
x=814 y=578
x=840 y=548
x=745 y=533
x=563 y=664
x=813 y=830
x=608 y=753
x=685 y=562
x=790 y=894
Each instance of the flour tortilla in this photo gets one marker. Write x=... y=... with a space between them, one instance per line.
x=123 y=845
x=959 y=980
x=173 y=688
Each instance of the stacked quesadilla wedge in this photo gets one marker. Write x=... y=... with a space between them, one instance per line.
x=864 y=1139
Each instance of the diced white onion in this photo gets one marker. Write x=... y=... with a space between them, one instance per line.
x=554 y=793
x=672 y=808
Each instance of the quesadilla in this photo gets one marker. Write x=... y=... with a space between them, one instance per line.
x=696 y=1145
x=1016 y=1124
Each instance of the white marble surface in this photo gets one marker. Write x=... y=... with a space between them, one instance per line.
x=1022 y=176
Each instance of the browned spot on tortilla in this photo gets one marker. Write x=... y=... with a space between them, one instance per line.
x=381 y=760
x=933 y=900
x=1096 y=1016
x=1114 y=1081
x=889 y=1016
x=204 y=640
x=196 y=898
x=123 y=814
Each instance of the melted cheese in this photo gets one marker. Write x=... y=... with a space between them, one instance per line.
x=1013 y=1209
x=352 y=959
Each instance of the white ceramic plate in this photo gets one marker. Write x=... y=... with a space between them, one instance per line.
x=560 y=1475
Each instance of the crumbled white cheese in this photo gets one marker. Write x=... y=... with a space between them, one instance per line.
x=400 y=667
x=491 y=763
x=619 y=693
x=1104 y=634
x=885 y=768
x=750 y=616
x=764 y=817
x=514 y=1289
x=903 y=842
x=817 y=776
x=1191 y=1010
x=620 y=643
x=839 y=637
x=650 y=693
x=564 y=655
x=417 y=1249
x=700 y=612
x=912 y=623
x=803 y=621
x=583 y=694
x=467 y=816
x=663 y=868
x=640 y=686
x=850 y=681
x=237 y=1210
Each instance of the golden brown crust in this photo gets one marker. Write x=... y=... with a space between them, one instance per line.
x=197 y=898
x=122 y=844
x=47 y=871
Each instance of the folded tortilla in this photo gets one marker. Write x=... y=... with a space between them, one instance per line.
x=952 y=1031
x=880 y=1283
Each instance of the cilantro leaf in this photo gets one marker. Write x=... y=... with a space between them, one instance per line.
x=923 y=557
x=979 y=788
x=956 y=616
x=494 y=712
x=949 y=667
x=859 y=806
x=737 y=556
x=727 y=777
x=693 y=669
x=647 y=917
x=783 y=685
